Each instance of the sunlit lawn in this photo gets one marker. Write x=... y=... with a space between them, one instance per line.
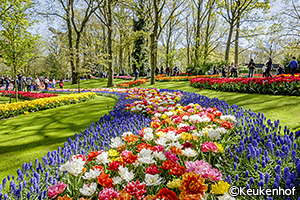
x=27 y=137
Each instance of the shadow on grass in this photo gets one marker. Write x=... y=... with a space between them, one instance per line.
x=25 y=138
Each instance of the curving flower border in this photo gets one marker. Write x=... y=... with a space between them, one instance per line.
x=17 y=108
x=261 y=153
x=280 y=85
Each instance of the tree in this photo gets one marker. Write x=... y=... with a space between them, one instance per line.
x=105 y=15
x=158 y=25
x=234 y=11
x=16 y=43
x=140 y=23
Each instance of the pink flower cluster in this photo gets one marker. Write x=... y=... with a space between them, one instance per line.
x=26 y=95
x=108 y=193
x=209 y=146
x=136 y=189
x=57 y=189
x=203 y=168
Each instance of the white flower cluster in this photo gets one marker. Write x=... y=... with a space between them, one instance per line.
x=228 y=118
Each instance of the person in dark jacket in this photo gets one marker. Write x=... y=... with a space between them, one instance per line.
x=156 y=71
x=136 y=74
x=7 y=82
x=251 y=67
x=280 y=69
x=269 y=67
x=294 y=65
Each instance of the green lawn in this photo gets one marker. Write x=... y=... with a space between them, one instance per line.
x=27 y=137
x=7 y=99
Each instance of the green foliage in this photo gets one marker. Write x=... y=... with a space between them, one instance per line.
x=16 y=43
x=205 y=67
x=140 y=53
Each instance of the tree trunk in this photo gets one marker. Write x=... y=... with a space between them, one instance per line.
x=16 y=85
x=236 y=53
x=121 y=54
x=197 y=45
x=110 y=82
x=77 y=61
x=188 y=42
x=168 y=45
x=228 y=42
x=152 y=58
x=128 y=59
x=153 y=43
x=70 y=39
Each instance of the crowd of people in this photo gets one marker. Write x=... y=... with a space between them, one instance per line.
x=229 y=70
x=268 y=66
x=28 y=83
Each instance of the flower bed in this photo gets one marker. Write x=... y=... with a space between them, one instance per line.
x=124 y=77
x=184 y=78
x=168 y=146
x=279 y=85
x=133 y=83
x=13 y=109
x=26 y=95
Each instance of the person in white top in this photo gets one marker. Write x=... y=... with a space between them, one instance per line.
x=264 y=69
x=53 y=82
x=37 y=83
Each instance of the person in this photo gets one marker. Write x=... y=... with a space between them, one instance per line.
x=123 y=72
x=7 y=82
x=280 y=69
x=234 y=70
x=168 y=71
x=229 y=68
x=37 y=83
x=19 y=83
x=61 y=84
x=2 y=80
x=23 y=83
x=215 y=69
x=161 y=70
x=178 y=71
x=53 y=82
x=148 y=72
x=223 y=71
x=136 y=74
x=156 y=71
x=251 y=67
x=46 y=83
x=174 y=71
x=28 y=83
x=264 y=69
x=269 y=68
x=294 y=65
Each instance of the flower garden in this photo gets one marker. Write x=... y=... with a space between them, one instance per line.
x=42 y=103
x=164 y=144
x=280 y=85
x=25 y=95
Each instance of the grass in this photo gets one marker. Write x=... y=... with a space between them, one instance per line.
x=7 y=99
x=27 y=137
